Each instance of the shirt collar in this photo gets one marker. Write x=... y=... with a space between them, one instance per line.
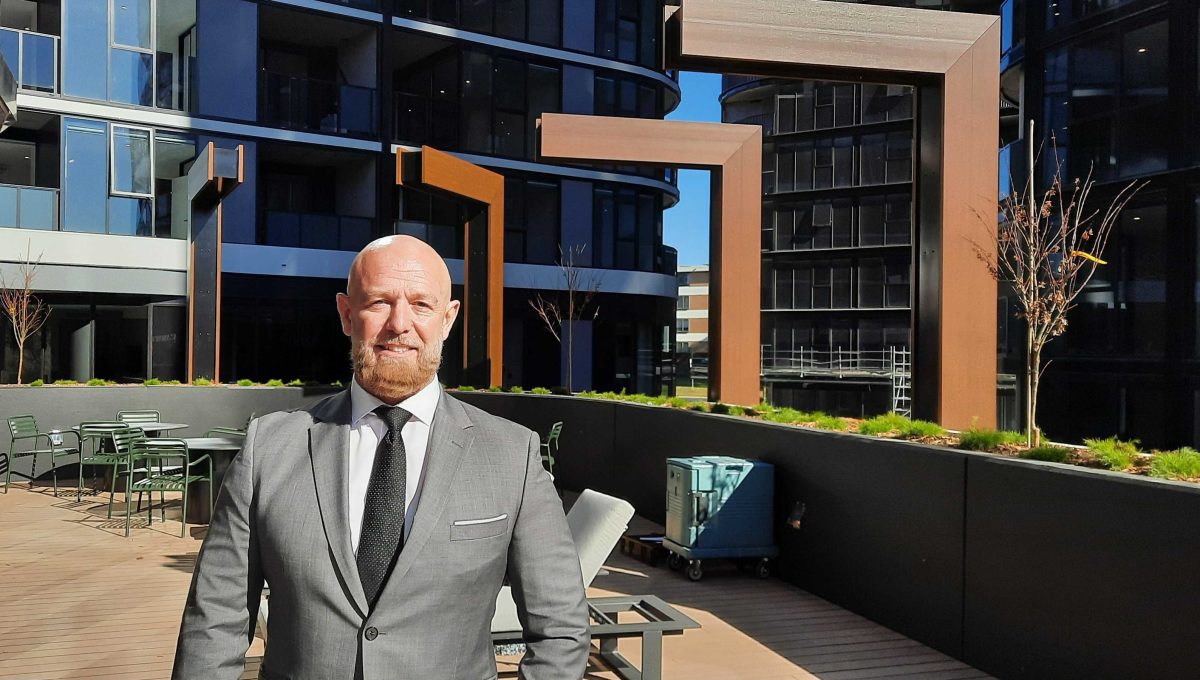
x=421 y=405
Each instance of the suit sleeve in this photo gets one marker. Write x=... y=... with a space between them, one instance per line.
x=543 y=569
x=222 y=604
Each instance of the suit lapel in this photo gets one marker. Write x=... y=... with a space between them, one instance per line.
x=329 y=442
x=449 y=442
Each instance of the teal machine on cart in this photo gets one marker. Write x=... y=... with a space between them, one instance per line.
x=720 y=507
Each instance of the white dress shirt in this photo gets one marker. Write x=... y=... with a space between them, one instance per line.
x=368 y=429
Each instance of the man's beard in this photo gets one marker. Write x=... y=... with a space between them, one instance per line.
x=395 y=379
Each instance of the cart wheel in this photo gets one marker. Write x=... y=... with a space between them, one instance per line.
x=763 y=568
x=694 y=572
x=675 y=562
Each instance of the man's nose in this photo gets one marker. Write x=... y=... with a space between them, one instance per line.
x=400 y=319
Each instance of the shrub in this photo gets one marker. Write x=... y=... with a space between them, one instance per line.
x=702 y=406
x=1114 y=453
x=245 y=382
x=827 y=422
x=894 y=422
x=1182 y=464
x=516 y=389
x=1052 y=454
x=274 y=382
x=785 y=415
x=465 y=388
x=677 y=402
x=172 y=382
x=494 y=388
x=37 y=383
x=728 y=409
x=976 y=439
x=151 y=382
x=296 y=383
x=336 y=383
x=65 y=381
x=540 y=390
x=202 y=382
x=95 y=382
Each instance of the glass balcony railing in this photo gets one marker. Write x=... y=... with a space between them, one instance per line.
x=32 y=57
x=317 y=230
x=23 y=207
x=1014 y=167
x=317 y=105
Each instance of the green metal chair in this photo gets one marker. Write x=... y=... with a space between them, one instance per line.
x=25 y=428
x=92 y=436
x=548 y=457
x=164 y=453
x=223 y=431
x=139 y=417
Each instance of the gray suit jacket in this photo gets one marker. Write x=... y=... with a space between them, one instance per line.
x=488 y=510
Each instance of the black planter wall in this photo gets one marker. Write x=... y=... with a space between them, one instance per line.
x=1022 y=569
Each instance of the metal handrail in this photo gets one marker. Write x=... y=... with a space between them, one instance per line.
x=835 y=362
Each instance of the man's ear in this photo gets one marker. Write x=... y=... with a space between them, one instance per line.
x=343 y=307
x=451 y=316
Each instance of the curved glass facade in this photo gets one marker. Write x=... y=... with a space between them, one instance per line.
x=319 y=97
x=1115 y=83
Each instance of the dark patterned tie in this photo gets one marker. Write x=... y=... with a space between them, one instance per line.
x=383 y=513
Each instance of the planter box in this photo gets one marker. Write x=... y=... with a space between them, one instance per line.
x=1021 y=568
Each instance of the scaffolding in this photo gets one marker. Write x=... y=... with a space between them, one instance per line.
x=887 y=366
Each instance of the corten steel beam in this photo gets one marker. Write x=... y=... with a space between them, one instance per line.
x=215 y=173
x=733 y=155
x=952 y=59
x=483 y=284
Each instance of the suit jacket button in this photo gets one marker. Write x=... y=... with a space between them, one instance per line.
x=372 y=633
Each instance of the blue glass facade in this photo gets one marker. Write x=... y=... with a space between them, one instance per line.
x=122 y=94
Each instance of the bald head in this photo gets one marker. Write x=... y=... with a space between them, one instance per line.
x=402 y=253
x=397 y=311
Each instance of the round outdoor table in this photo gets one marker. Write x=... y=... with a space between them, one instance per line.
x=152 y=429
x=221 y=450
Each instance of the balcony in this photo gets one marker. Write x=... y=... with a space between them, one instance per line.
x=33 y=58
x=316 y=230
x=25 y=207
x=316 y=105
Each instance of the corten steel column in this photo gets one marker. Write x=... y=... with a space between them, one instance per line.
x=733 y=156
x=952 y=58
x=483 y=285
x=215 y=173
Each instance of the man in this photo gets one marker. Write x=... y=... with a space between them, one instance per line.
x=385 y=533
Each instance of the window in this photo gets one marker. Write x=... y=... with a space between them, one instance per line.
x=681 y=325
x=132 y=161
x=682 y=302
x=117 y=178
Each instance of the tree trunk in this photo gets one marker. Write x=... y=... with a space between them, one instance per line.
x=1035 y=365
x=20 y=361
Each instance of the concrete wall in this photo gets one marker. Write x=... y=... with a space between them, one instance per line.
x=1022 y=569
x=200 y=407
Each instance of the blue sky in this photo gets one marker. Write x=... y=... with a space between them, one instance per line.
x=686 y=225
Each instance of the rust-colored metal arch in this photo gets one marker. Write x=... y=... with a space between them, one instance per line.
x=733 y=154
x=952 y=59
x=483 y=267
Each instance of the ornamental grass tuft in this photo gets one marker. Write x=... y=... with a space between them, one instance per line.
x=980 y=439
x=1181 y=464
x=1114 y=453
x=1052 y=454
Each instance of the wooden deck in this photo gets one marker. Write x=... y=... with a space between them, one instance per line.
x=78 y=600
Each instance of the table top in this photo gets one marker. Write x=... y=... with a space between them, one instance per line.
x=213 y=443
x=145 y=427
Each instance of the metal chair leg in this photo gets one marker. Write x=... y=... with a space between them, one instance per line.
x=183 y=517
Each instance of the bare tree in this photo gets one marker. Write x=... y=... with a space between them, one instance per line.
x=1047 y=247
x=559 y=317
x=25 y=311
